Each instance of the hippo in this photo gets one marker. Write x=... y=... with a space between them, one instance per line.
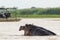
x=33 y=30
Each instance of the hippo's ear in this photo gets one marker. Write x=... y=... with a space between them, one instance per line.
x=26 y=24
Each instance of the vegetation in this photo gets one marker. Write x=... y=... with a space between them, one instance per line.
x=36 y=13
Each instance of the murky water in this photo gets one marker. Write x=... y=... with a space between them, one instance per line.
x=10 y=30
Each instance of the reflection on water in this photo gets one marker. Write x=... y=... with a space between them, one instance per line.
x=10 y=30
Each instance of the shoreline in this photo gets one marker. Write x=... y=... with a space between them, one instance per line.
x=18 y=19
x=9 y=20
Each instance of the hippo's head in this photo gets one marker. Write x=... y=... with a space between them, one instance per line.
x=21 y=28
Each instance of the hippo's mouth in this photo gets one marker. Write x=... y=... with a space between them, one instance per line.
x=19 y=29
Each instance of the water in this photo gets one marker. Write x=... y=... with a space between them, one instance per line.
x=10 y=30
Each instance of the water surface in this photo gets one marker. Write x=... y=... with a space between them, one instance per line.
x=10 y=30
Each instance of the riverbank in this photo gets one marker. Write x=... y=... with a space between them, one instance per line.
x=9 y=20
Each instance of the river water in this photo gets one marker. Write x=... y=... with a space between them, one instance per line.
x=10 y=30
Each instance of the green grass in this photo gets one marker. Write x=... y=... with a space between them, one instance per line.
x=43 y=13
x=37 y=16
x=36 y=13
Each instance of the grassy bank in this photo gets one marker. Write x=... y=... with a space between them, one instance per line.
x=36 y=13
x=37 y=16
x=17 y=18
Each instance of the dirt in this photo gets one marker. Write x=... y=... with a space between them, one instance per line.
x=9 y=20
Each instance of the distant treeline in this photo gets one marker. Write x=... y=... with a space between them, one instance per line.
x=37 y=11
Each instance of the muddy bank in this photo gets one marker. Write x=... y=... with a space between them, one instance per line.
x=9 y=20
